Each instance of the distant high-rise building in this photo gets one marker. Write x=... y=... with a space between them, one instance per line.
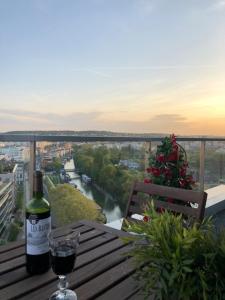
x=17 y=153
x=8 y=187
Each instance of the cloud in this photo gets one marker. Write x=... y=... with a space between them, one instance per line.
x=168 y=117
x=145 y=7
x=159 y=123
x=27 y=116
x=95 y=120
x=162 y=123
x=30 y=120
x=169 y=122
x=217 y=6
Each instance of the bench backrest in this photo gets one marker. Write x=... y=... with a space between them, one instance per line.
x=176 y=200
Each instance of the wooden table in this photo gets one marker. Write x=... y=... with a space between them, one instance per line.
x=102 y=271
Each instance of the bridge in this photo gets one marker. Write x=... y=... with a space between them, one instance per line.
x=69 y=169
x=76 y=176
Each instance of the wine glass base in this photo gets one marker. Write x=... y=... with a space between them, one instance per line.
x=64 y=295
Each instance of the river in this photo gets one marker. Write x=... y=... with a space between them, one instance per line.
x=109 y=207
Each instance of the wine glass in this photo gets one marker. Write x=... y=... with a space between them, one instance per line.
x=63 y=248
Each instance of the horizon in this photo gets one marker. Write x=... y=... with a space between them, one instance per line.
x=132 y=66
x=151 y=134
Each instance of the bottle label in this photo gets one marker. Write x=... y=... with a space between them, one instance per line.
x=38 y=228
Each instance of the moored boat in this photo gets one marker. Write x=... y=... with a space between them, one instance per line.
x=86 y=179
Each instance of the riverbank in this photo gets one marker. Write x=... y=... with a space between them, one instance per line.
x=110 y=207
x=101 y=190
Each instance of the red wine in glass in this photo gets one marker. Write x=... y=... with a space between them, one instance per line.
x=63 y=249
x=63 y=260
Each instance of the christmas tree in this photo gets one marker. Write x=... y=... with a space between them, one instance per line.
x=168 y=166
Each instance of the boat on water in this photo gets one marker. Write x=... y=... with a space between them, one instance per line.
x=86 y=179
x=65 y=178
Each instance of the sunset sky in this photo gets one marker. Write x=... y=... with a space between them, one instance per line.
x=154 y=66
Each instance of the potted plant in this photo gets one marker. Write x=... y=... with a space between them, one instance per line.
x=175 y=262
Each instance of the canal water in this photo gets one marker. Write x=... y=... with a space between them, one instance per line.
x=109 y=207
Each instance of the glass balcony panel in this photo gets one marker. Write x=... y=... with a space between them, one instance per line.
x=214 y=164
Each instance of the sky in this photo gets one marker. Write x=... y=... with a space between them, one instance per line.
x=141 y=66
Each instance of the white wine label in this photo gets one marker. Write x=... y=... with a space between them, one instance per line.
x=37 y=235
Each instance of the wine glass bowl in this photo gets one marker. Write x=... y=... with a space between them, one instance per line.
x=63 y=248
x=62 y=260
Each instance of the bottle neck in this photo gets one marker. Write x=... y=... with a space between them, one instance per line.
x=38 y=185
x=38 y=194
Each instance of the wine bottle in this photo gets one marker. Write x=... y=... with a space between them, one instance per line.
x=38 y=226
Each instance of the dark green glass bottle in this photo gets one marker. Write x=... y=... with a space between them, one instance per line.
x=38 y=226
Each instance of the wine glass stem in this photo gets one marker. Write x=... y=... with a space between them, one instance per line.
x=63 y=284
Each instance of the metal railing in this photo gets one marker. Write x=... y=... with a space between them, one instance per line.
x=34 y=138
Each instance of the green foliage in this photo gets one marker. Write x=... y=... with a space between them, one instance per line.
x=57 y=164
x=19 y=199
x=178 y=262
x=55 y=179
x=101 y=164
x=53 y=166
x=14 y=230
x=69 y=205
x=2 y=242
x=6 y=166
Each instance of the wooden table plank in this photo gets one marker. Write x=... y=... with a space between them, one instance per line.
x=8 y=255
x=82 y=275
x=123 y=290
x=10 y=246
x=18 y=249
x=104 y=281
x=99 y=252
x=102 y=269
x=12 y=264
x=116 y=232
x=35 y=282
x=20 y=273
x=139 y=296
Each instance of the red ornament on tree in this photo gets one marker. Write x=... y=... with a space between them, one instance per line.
x=156 y=171
x=147 y=180
x=161 y=158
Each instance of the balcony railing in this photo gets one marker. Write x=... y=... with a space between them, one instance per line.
x=34 y=138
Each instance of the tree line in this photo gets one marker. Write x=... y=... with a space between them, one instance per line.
x=102 y=165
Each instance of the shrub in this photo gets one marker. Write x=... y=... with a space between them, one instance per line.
x=14 y=230
x=175 y=262
x=69 y=205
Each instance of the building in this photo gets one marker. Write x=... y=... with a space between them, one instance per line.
x=19 y=173
x=130 y=164
x=7 y=201
x=15 y=152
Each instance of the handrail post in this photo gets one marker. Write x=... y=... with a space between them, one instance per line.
x=147 y=147
x=202 y=165
x=32 y=165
